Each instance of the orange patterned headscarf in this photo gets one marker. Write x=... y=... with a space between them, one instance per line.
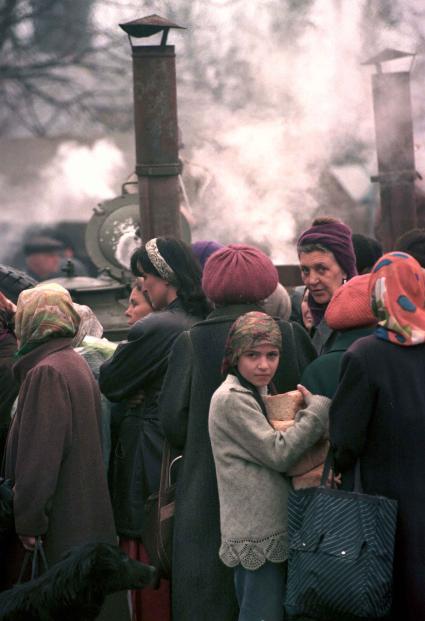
x=397 y=290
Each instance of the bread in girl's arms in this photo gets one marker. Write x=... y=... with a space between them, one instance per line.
x=281 y=425
x=284 y=406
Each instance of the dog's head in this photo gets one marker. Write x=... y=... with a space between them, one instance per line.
x=109 y=569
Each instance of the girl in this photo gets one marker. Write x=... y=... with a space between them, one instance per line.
x=249 y=458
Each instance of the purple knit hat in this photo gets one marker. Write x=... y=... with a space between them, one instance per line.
x=336 y=237
x=239 y=273
x=204 y=249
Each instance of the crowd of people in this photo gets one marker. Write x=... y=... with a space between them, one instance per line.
x=212 y=332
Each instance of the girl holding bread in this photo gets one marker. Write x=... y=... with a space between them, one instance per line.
x=250 y=457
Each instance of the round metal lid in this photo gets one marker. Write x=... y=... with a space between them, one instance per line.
x=112 y=235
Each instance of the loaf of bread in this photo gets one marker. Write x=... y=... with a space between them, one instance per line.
x=281 y=425
x=284 y=406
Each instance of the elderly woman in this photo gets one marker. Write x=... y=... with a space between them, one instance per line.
x=53 y=452
x=327 y=260
x=378 y=417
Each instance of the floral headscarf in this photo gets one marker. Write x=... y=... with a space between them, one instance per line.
x=43 y=313
x=397 y=290
x=249 y=330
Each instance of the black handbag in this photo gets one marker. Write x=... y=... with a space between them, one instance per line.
x=159 y=516
x=341 y=547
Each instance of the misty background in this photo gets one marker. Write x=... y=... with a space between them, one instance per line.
x=275 y=110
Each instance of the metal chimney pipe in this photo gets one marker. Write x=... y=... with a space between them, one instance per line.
x=156 y=129
x=395 y=148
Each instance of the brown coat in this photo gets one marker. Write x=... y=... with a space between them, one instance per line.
x=53 y=452
x=54 y=457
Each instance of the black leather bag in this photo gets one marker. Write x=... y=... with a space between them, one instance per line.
x=341 y=547
x=159 y=516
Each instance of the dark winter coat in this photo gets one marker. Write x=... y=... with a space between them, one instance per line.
x=378 y=415
x=139 y=365
x=8 y=385
x=202 y=584
x=322 y=375
x=54 y=454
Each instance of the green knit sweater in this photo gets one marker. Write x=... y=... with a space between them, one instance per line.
x=250 y=457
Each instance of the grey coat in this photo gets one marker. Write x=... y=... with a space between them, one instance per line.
x=250 y=457
x=202 y=585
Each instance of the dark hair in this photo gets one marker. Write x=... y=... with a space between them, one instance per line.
x=186 y=268
x=413 y=242
x=367 y=250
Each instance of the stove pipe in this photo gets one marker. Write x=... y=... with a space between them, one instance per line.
x=156 y=130
x=395 y=148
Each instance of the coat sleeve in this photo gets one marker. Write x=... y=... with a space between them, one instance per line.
x=350 y=411
x=175 y=394
x=45 y=436
x=237 y=421
x=136 y=361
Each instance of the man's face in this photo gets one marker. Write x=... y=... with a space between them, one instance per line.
x=43 y=264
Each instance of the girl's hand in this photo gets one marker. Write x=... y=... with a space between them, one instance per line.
x=305 y=393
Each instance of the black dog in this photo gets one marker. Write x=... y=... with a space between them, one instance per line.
x=75 y=588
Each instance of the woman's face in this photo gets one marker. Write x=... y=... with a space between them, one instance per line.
x=138 y=306
x=306 y=312
x=258 y=365
x=321 y=274
x=158 y=291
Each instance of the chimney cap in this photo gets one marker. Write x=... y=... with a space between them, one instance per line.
x=387 y=55
x=148 y=26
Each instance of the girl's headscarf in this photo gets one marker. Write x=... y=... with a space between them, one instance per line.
x=43 y=313
x=397 y=292
x=249 y=330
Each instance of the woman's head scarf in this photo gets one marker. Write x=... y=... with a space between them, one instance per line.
x=336 y=237
x=247 y=332
x=89 y=325
x=43 y=313
x=397 y=293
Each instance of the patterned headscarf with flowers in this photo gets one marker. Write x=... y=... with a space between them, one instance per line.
x=397 y=292
x=247 y=332
x=43 y=313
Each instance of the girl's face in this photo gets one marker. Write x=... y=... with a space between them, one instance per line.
x=258 y=365
x=321 y=274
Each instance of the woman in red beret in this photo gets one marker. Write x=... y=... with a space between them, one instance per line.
x=236 y=279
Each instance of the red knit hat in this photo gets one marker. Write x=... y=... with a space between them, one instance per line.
x=239 y=273
x=350 y=306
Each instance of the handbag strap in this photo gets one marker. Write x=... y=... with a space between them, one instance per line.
x=37 y=557
x=329 y=466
